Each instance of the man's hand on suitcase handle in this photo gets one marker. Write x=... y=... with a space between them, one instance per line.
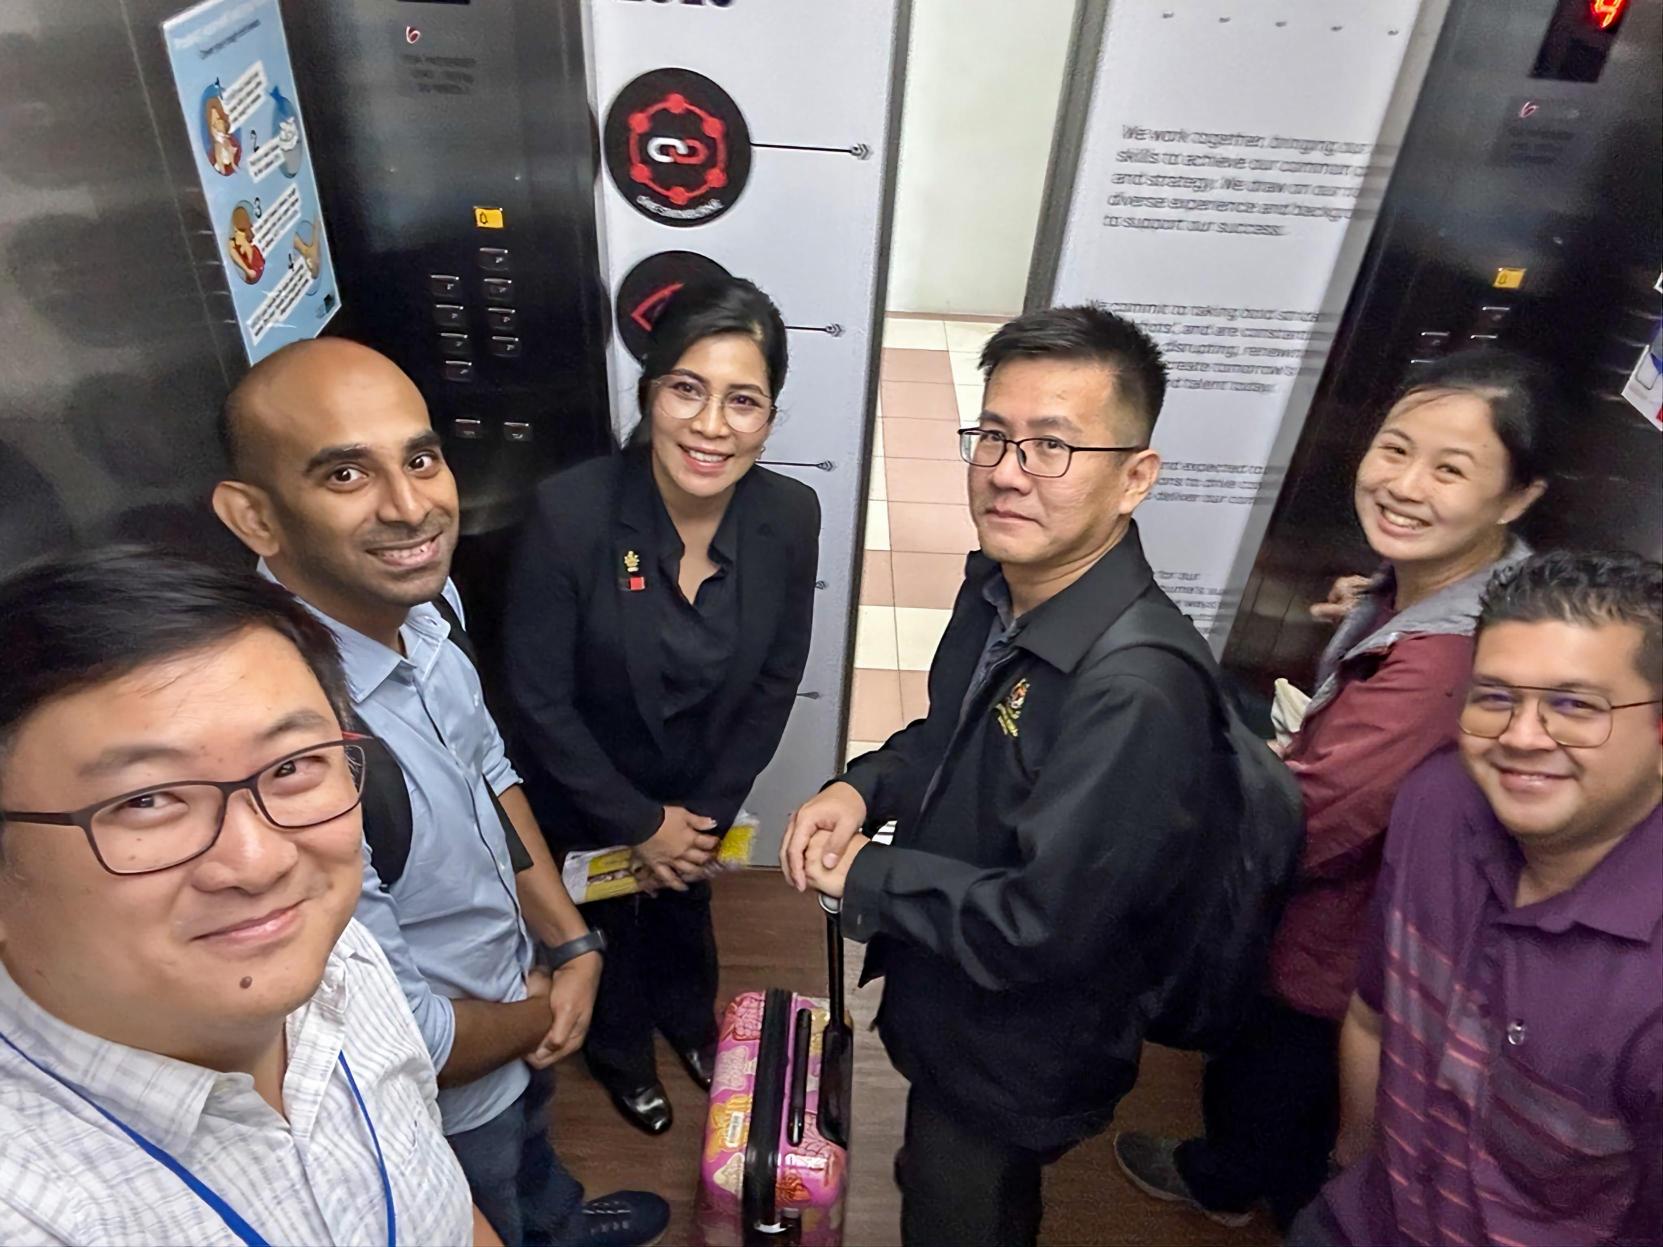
x=836 y=813
x=828 y=867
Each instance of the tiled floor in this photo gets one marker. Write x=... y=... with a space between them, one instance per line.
x=918 y=527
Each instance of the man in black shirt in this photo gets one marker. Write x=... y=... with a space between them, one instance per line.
x=1048 y=805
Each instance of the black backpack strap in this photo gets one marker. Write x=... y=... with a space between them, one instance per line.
x=1138 y=628
x=518 y=857
x=387 y=814
x=458 y=635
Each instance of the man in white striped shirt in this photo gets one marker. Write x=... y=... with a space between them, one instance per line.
x=197 y=1045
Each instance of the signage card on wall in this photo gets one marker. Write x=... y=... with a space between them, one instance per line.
x=1230 y=163
x=236 y=88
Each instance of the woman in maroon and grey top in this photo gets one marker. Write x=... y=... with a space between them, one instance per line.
x=1456 y=461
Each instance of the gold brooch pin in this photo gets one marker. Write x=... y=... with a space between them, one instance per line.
x=1009 y=711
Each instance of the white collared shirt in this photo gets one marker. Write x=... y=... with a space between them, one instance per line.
x=67 y=1175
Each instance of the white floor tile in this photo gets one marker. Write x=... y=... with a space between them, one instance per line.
x=877 y=488
x=877 y=526
x=918 y=631
x=964 y=335
x=857 y=747
x=964 y=368
x=875 y=638
x=907 y=334
x=877 y=438
x=970 y=403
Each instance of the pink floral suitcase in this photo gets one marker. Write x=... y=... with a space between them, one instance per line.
x=775 y=1165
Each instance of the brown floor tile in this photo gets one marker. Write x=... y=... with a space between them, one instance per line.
x=919 y=439
x=915 y=694
x=920 y=400
x=904 y=365
x=877 y=582
x=926 y=579
x=875 y=704
x=924 y=480
x=931 y=528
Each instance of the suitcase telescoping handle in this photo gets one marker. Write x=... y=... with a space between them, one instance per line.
x=837 y=1064
x=834 y=952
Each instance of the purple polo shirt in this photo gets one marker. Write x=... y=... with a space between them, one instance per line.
x=1521 y=1072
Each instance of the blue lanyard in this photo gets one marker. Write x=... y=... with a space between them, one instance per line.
x=232 y=1218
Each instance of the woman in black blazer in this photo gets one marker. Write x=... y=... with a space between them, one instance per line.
x=657 y=627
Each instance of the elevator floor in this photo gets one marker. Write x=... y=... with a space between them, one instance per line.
x=771 y=937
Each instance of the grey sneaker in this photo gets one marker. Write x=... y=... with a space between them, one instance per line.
x=1149 y=1162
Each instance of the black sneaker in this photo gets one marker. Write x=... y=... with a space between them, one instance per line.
x=621 y=1219
x=1150 y=1162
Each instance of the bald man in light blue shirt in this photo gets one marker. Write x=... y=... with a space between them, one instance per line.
x=343 y=492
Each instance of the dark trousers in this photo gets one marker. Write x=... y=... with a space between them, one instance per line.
x=516 y=1179
x=964 y=1186
x=659 y=973
x=1272 y=1110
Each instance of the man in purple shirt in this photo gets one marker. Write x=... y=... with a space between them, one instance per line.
x=1502 y=1061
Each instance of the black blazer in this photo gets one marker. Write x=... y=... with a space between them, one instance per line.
x=583 y=653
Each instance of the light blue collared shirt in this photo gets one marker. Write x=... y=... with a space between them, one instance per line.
x=451 y=926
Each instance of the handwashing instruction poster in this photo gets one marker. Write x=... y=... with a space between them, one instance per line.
x=236 y=87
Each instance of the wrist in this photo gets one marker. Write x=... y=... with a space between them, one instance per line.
x=552 y=959
x=847 y=796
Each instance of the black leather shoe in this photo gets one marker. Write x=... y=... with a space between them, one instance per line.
x=646 y=1108
x=700 y=1064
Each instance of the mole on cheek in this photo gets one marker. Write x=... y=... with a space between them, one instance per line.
x=246 y=983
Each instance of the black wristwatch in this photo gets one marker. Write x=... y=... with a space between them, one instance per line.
x=552 y=959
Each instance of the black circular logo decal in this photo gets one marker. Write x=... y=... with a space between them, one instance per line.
x=647 y=287
x=677 y=147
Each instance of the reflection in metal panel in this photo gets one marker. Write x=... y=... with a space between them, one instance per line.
x=113 y=304
x=1523 y=207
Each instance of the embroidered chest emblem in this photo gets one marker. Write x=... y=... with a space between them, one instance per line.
x=633 y=580
x=1009 y=710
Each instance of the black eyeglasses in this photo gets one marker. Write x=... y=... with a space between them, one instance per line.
x=1037 y=456
x=1572 y=719
x=167 y=825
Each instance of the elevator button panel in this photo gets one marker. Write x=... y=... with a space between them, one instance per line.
x=450 y=316
x=505 y=348
x=494 y=259
x=1493 y=317
x=468 y=427
x=458 y=370
x=444 y=285
x=455 y=345
x=516 y=431
x=498 y=289
x=502 y=319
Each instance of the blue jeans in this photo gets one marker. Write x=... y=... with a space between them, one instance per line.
x=516 y=1179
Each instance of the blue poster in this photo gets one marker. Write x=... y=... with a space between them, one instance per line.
x=236 y=87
